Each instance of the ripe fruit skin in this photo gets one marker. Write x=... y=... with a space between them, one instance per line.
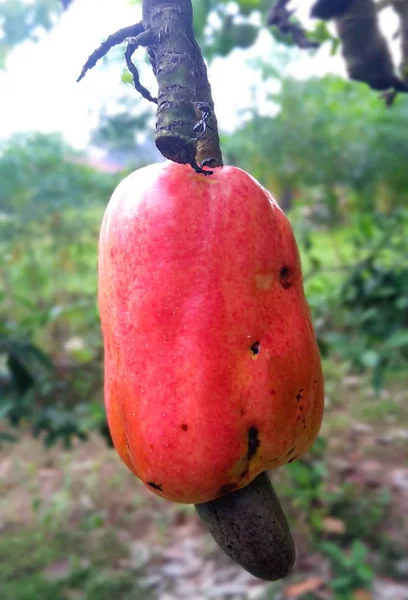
x=212 y=371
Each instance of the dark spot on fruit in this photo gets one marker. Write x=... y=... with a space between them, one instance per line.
x=286 y=276
x=253 y=442
x=290 y=451
x=255 y=348
x=273 y=392
x=300 y=407
x=243 y=412
x=292 y=459
x=184 y=427
x=299 y=395
x=226 y=489
x=155 y=486
x=244 y=473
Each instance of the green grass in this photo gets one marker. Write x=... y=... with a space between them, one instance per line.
x=66 y=564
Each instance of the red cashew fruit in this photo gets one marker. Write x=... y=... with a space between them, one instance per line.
x=212 y=371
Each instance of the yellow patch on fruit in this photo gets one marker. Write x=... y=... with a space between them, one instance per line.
x=263 y=281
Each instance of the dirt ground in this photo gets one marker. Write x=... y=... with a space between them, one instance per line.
x=77 y=525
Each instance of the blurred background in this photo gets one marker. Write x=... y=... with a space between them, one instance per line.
x=74 y=523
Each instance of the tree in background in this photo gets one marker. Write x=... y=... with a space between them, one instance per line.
x=21 y=21
x=328 y=139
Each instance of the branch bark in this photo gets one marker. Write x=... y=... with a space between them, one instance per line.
x=166 y=31
x=182 y=78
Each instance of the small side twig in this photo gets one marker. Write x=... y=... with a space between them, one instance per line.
x=132 y=45
x=279 y=16
x=113 y=40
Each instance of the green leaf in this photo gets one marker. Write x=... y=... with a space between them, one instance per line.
x=126 y=77
x=370 y=359
x=399 y=339
x=359 y=551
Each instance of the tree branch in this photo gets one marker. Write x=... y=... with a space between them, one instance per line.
x=113 y=40
x=364 y=48
x=279 y=16
x=167 y=32
x=329 y=9
x=182 y=79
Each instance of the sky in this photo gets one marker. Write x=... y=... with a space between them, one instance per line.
x=39 y=92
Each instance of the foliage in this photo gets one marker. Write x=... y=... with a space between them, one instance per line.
x=30 y=567
x=34 y=391
x=363 y=319
x=40 y=174
x=330 y=143
x=308 y=476
x=374 y=296
x=360 y=516
x=46 y=198
x=350 y=569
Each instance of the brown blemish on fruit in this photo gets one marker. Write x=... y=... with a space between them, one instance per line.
x=241 y=468
x=253 y=442
x=155 y=486
x=299 y=395
x=286 y=276
x=255 y=348
x=243 y=412
x=226 y=489
x=184 y=427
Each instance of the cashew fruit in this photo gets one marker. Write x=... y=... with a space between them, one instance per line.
x=212 y=371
